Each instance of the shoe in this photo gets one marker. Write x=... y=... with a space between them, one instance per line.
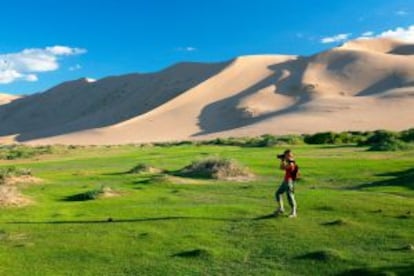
x=293 y=215
x=279 y=212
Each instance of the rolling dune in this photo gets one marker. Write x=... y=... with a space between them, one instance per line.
x=361 y=85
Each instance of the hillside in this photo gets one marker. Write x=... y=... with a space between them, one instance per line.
x=361 y=85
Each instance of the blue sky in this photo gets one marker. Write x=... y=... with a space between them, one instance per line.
x=44 y=42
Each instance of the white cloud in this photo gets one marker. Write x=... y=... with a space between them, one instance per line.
x=75 y=67
x=65 y=51
x=187 y=49
x=23 y=65
x=401 y=13
x=31 y=77
x=406 y=34
x=368 y=34
x=335 y=38
x=8 y=76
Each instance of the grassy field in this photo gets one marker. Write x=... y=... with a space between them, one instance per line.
x=355 y=214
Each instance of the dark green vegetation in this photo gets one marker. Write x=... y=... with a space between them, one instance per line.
x=379 y=140
x=355 y=213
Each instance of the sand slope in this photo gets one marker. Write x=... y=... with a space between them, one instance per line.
x=362 y=85
x=6 y=98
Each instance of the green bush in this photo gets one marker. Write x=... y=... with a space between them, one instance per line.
x=290 y=140
x=320 y=138
x=389 y=144
x=407 y=135
x=379 y=137
x=266 y=140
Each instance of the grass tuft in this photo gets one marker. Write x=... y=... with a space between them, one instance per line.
x=214 y=167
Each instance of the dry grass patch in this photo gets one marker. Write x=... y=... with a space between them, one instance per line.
x=10 y=196
x=14 y=176
x=108 y=192
x=214 y=167
x=10 y=178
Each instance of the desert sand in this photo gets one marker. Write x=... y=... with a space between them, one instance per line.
x=7 y=98
x=362 y=85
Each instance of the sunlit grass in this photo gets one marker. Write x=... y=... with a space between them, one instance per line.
x=356 y=214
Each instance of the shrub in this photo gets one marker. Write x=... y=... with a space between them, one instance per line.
x=348 y=137
x=216 y=168
x=390 y=144
x=320 y=138
x=379 y=137
x=408 y=135
x=290 y=140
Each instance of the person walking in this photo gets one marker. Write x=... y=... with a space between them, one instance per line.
x=288 y=164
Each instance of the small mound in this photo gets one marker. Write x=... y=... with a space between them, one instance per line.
x=216 y=168
x=24 y=179
x=108 y=192
x=323 y=255
x=196 y=253
x=144 y=168
x=14 y=176
x=103 y=192
x=10 y=196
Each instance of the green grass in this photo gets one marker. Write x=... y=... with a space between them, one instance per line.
x=355 y=214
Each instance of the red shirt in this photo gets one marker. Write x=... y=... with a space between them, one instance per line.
x=290 y=167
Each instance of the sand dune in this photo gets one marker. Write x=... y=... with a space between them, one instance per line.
x=6 y=98
x=361 y=85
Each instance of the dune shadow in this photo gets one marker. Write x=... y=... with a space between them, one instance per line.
x=403 y=50
x=219 y=116
x=403 y=178
x=389 y=82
